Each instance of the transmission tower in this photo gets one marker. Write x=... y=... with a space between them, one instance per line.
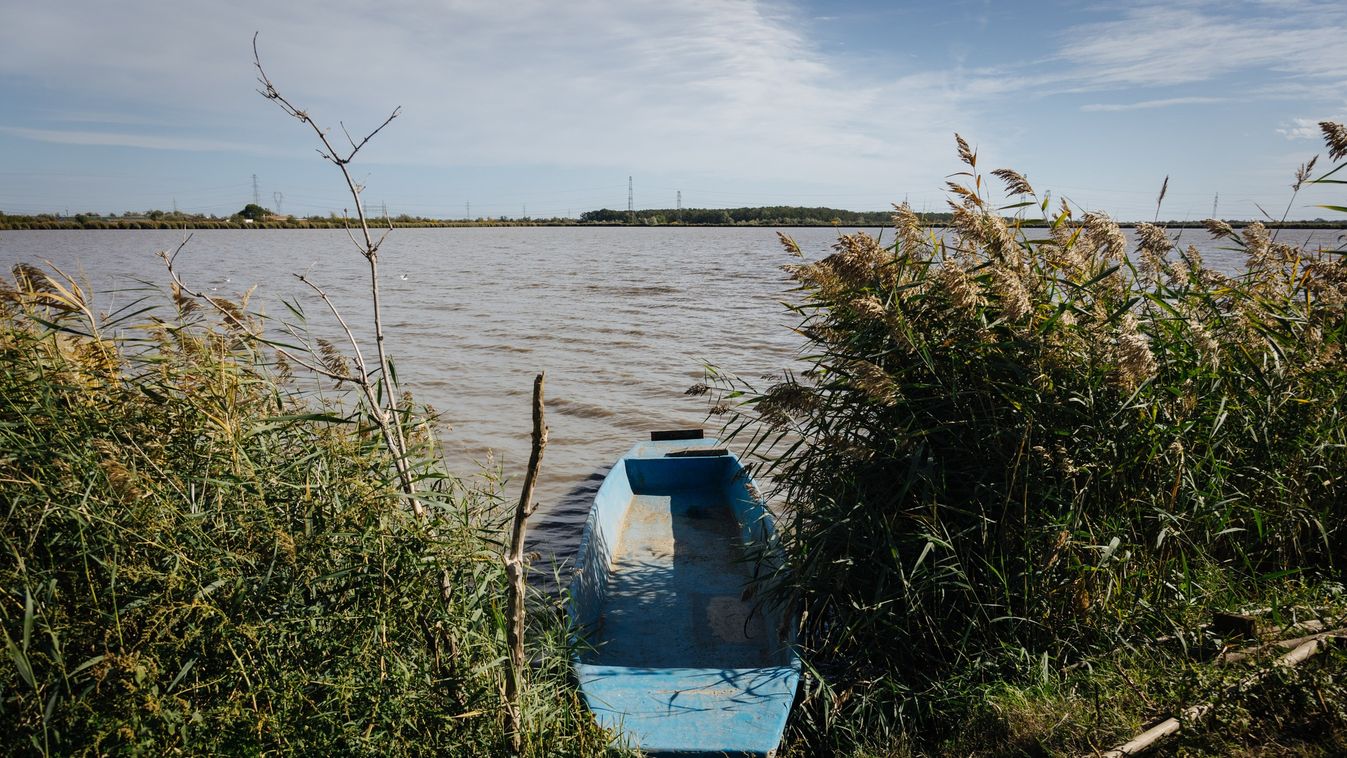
x=257 y=196
x=467 y=211
x=279 y=197
x=680 y=206
x=631 y=203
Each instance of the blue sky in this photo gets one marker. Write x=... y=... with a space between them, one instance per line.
x=546 y=108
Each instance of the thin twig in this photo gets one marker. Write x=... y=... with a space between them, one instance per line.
x=355 y=345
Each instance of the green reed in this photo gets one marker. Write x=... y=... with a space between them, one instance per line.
x=1017 y=451
x=203 y=556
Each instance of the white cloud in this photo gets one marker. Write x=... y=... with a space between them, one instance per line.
x=1300 y=128
x=1308 y=128
x=716 y=85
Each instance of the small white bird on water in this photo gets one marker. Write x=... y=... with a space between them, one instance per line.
x=403 y=277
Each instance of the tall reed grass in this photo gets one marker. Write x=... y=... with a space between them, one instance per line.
x=202 y=555
x=1017 y=451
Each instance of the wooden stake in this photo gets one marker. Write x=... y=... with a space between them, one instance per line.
x=516 y=571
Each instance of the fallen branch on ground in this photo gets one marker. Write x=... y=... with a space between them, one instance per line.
x=1167 y=729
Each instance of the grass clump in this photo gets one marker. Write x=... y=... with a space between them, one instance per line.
x=1021 y=452
x=201 y=555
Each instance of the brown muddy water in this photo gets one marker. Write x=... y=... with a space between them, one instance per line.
x=623 y=320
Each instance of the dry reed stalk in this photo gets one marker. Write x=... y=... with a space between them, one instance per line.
x=1015 y=182
x=1335 y=136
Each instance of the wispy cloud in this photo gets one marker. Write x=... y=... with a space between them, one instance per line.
x=66 y=116
x=1148 y=104
x=119 y=139
x=1175 y=43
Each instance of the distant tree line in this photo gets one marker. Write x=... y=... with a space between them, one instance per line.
x=772 y=215
x=790 y=215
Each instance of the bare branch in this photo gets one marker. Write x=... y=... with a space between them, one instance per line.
x=345 y=224
x=389 y=424
x=177 y=250
x=342 y=124
x=350 y=337
x=396 y=112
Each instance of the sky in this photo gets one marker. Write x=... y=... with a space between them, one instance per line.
x=536 y=108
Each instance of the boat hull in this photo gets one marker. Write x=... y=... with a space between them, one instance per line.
x=675 y=653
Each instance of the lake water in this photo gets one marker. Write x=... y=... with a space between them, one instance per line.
x=622 y=320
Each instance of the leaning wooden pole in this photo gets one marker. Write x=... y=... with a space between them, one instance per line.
x=516 y=570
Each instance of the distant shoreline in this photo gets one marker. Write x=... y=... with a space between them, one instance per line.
x=67 y=224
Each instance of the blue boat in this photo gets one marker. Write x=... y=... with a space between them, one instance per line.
x=675 y=654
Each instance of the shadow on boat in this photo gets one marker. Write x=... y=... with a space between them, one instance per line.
x=695 y=690
x=678 y=599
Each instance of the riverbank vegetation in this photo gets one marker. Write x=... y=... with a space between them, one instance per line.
x=206 y=554
x=1036 y=484
x=775 y=216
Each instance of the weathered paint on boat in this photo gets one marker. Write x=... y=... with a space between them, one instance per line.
x=674 y=655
